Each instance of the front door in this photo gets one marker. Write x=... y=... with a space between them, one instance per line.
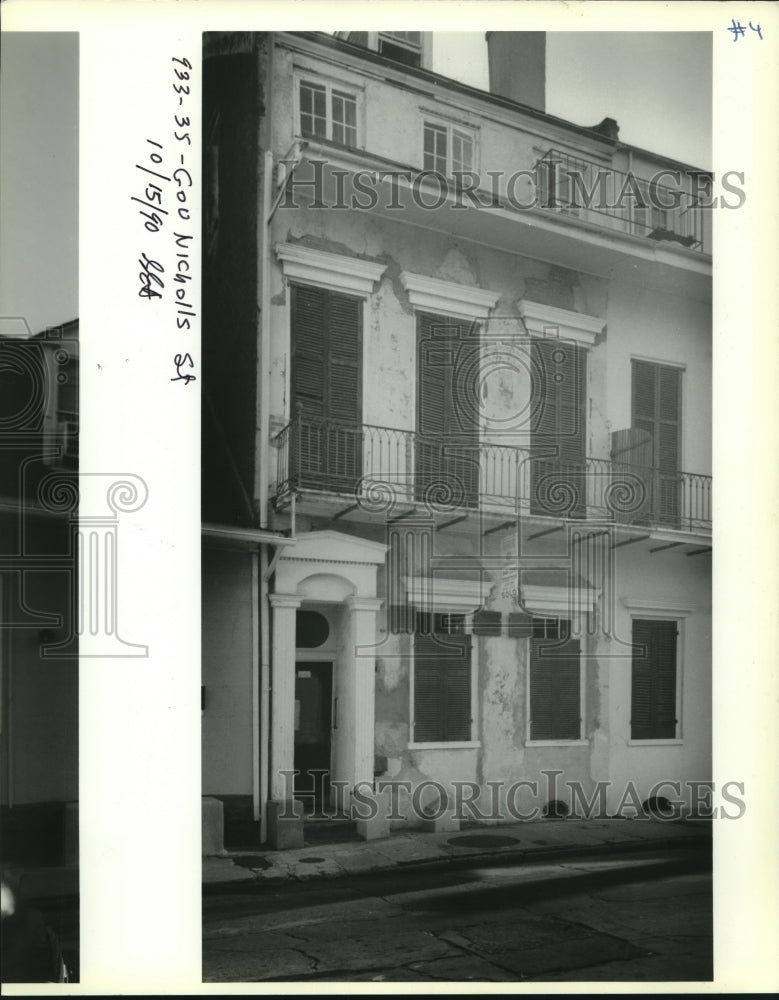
x=313 y=724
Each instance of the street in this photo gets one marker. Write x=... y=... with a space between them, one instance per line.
x=644 y=917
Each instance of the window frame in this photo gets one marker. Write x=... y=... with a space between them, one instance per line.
x=474 y=742
x=330 y=84
x=661 y=614
x=581 y=740
x=451 y=125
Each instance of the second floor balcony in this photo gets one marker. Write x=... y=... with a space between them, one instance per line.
x=383 y=470
x=622 y=201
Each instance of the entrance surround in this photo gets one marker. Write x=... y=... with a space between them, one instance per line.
x=327 y=567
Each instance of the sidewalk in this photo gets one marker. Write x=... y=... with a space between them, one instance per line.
x=537 y=839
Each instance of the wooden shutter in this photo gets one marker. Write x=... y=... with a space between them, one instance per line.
x=656 y=409
x=559 y=436
x=555 y=690
x=442 y=685
x=447 y=417
x=653 y=680
x=327 y=386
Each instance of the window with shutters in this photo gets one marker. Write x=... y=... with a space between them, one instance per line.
x=327 y=110
x=447 y=440
x=442 y=680
x=555 y=683
x=326 y=383
x=558 y=428
x=656 y=411
x=653 y=689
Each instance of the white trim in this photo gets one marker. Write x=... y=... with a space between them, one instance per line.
x=434 y=593
x=447 y=297
x=556 y=743
x=462 y=745
x=550 y=321
x=641 y=609
x=562 y=601
x=333 y=271
x=656 y=743
x=435 y=118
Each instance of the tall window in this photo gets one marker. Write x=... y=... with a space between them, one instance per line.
x=653 y=713
x=447 y=148
x=442 y=679
x=326 y=443
x=555 y=682
x=558 y=428
x=656 y=401
x=328 y=112
x=447 y=445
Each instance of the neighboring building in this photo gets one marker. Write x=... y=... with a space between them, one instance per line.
x=456 y=452
x=38 y=644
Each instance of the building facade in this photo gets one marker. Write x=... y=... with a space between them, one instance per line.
x=456 y=441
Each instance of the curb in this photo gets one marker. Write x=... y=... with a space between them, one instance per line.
x=702 y=841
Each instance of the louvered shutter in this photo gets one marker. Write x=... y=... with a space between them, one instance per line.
x=326 y=387
x=309 y=345
x=656 y=409
x=442 y=686
x=555 y=690
x=559 y=389
x=447 y=419
x=653 y=680
x=344 y=391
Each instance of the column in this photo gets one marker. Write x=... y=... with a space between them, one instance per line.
x=282 y=748
x=356 y=687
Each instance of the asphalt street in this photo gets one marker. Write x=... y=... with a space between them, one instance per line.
x=631 y=917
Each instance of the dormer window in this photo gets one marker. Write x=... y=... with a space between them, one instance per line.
x=402 y=46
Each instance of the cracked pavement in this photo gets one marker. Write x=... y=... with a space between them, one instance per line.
x=630 y=918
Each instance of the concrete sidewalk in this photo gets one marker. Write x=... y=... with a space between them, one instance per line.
x=537 y=839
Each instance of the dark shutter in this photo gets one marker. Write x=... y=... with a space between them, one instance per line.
x=447 y=443
x=653 y=681
x=656 y=409
x=555 y=690
x=520 y=625
x=486 y=623
x=326 y=388
x=442 y=684
x=559 y=439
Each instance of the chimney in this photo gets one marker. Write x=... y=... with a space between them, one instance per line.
x=517 y=61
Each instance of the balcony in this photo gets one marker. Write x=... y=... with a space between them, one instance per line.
x=380 y=469
x=620 y=201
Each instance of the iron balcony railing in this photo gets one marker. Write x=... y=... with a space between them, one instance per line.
x=617 y=200
x=379 y=468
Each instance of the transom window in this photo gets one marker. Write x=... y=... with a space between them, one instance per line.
x=447 y=148
x=328 y=112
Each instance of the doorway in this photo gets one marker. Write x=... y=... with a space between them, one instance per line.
x=313 y=733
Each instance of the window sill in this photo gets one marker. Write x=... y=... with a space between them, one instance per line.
x=655 y=743
x=556 y=743
x=462 y=745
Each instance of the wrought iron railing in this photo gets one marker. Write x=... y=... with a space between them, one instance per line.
x=618 y=200
x=383 y=467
